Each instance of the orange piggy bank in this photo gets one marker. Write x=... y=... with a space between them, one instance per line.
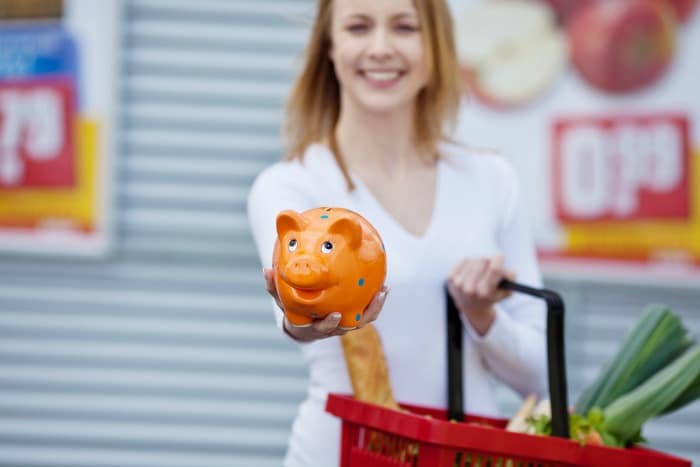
x=327 y=260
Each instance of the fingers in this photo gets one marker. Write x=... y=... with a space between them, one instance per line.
x=476 y=280
x=455 y=279
x=327 y=326
x=508 y=275
x=492 y=277
x=269 y=275
x=466 y=277
x=374 y=308
x=270 y=281
x=319 y=329
x=493 y=273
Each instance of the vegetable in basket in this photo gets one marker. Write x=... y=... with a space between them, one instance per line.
x=658 y=338
x=655 y=372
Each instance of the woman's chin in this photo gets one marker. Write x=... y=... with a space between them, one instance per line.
x=385 y=106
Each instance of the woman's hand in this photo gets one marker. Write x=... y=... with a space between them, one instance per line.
x=473 y=285
x=328 y=326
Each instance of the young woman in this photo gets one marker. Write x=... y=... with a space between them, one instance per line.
x=367 y=126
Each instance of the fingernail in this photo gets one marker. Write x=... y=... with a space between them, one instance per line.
x=335 y=316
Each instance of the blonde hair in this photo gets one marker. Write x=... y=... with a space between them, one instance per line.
x=313 y=107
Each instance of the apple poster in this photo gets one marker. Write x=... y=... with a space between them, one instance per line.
x=596 y=103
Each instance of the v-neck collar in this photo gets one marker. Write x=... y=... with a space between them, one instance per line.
x=365 y=192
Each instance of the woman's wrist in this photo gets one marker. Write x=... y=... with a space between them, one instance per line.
x=481 y=320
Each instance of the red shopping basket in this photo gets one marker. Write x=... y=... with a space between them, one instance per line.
x=374 y=436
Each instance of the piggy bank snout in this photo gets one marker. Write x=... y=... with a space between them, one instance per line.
x=305 y=271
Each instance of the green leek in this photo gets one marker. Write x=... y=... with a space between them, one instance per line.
x=657 y=339
x=691 y=394
x=626 y=415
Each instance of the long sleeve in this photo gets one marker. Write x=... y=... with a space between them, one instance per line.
x=279 y=187
x=514 y=348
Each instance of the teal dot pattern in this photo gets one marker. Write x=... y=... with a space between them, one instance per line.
x=325 y=216
x=357 y=317
x=361 y=282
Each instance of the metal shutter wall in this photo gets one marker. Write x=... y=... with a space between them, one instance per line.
x=166 y=353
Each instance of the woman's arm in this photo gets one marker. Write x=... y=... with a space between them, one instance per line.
x=279 y=187
x=509 y=332
x=515 y=348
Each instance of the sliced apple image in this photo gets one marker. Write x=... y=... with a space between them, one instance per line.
x=510 y=51
x=621 y=46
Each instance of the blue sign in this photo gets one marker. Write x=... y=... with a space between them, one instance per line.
x=37 y=51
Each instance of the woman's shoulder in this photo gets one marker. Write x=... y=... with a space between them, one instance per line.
x=286 y=171
x=297 y=172
x=470 y=160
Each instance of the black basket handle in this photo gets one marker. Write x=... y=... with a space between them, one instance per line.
x=555 y=356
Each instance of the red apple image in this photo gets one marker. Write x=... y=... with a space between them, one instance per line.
x=683 y=8
x=623 y=45
x=510 y=51
x=566 y=9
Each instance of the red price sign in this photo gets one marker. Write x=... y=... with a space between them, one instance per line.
x=36 y=134
x=621 y=168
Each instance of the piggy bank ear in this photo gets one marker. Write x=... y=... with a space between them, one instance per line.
x=348 y=228
x=289 y=220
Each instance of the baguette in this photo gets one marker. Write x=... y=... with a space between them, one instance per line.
x=367 y=367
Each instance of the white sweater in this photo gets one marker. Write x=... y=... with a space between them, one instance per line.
x=476 y=214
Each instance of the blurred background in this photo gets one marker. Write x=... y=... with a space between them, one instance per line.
x=134 y=325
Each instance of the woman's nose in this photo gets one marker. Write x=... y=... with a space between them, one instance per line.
x=380 y=44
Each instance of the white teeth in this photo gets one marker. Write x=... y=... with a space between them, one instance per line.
x=382 y=75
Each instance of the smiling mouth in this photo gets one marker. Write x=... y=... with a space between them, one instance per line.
x=308 y=294
x=382 y=77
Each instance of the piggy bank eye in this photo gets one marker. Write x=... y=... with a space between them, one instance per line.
x=326 y=247
x=292 y=245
